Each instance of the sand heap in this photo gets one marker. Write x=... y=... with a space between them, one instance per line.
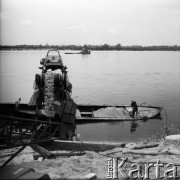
x=170 y=144
x=112 y=112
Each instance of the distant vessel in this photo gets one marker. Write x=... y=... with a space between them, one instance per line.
x=84 y=51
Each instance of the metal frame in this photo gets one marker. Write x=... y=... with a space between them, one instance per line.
x=26 y=131
x=16 y=131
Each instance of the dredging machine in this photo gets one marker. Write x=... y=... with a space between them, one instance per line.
x=49 y=113
x=52 y=94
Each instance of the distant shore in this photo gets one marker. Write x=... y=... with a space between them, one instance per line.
x=104 y=47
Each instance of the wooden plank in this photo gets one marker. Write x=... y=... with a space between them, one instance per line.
x=85 y=145
x=35 y=176
x=42 y=151
x=14 y=172
x=62 y=154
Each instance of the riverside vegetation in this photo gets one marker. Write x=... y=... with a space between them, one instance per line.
x=104 y=47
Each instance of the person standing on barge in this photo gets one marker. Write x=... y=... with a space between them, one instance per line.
x=134 y=108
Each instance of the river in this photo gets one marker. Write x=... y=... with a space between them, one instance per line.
x=105 y=77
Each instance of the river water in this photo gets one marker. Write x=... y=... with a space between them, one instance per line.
x=105 y=77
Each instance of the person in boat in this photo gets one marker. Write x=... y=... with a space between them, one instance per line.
x=134 y=108
x=17 y=103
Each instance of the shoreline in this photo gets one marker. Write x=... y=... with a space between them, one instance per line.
x=77 y=164
x=45 y=49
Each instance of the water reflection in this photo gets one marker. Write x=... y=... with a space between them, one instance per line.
x=117 y=125
x=134 y=125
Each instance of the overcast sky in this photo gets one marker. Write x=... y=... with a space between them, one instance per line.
x=79 y=22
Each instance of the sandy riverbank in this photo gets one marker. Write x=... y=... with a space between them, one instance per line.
x=77 y=167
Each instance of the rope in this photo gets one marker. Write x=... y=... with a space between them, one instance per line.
x=91 y=149
x=166 y=123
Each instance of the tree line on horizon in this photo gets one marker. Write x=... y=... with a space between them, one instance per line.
x=104 y=47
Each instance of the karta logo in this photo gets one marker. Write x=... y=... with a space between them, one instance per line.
x=117 y=169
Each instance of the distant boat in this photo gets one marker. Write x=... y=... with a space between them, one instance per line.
x=84 y=51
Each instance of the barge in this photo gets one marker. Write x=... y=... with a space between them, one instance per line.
x=86 y=113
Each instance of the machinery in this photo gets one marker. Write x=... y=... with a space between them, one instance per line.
x=61 y=85
x=51 y=109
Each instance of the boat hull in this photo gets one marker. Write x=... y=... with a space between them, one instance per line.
x=87 y=113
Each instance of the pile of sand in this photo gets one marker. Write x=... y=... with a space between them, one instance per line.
x=112 y=112
x=73 y=167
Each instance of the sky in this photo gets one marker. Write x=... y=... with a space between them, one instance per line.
x=92 y=22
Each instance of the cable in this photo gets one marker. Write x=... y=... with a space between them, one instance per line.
x=104 y=155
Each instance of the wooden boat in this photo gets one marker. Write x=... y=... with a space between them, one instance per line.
x=82 y=52
x=86 y=52
x=97 y=113
x=87 y=113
